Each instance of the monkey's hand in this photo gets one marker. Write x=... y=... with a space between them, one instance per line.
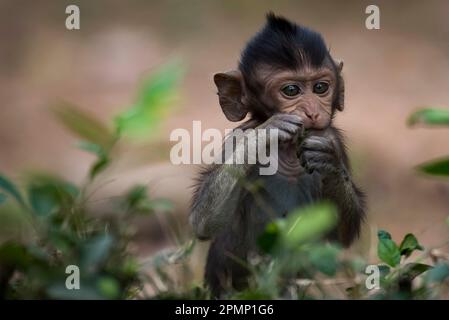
x=321 y=154
x=289 y=126
x=323 y=151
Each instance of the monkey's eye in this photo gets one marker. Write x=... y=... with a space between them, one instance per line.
x=320 y=87
x=291 y=90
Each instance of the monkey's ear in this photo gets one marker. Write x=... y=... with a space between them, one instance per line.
x=230 y=94
x=341 y=86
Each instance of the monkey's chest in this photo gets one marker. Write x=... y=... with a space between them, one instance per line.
x=279 y=195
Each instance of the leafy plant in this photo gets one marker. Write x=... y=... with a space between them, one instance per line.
x=432 y=117
x=61 y=228
x=157 y=93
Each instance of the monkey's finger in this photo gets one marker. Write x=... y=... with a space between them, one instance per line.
x=289 y=127
x=317 y=144
x=308 y=161
x=317 y=156
x=321 y=167
x=297 y=136
x=294 y=118
x=318 y=139
x=284 y=135
x=291 y=118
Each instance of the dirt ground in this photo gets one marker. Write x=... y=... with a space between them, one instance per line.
x=389 y=73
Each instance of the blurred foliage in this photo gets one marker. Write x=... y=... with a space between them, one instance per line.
x=46 y=224
x=295 y=264
x=308 y=268
x=432 y=117
x=85 y=126
x=157 y=93
x=429 y=116
x=62 y=232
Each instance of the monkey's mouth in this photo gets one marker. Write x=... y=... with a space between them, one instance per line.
x=309 y=124
x=318 y=125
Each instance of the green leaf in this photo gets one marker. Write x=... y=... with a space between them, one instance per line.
x=382 y=234
x=92 y=148
x=438 y=274
x=436 y=167
x=269 y=239
x=84 y=125
x=14 y=254
x=47 y=194
x=14 y=222
x=412 y=270
x=136 y=196
x=409 y=244
x=103 y=160
x=157 y=93
x=130 y=267
x=252 y=294
x=109 y=287
x=100 y=165
x=63 y=239
x=324 y=259
x=43 y=199
x=447 y=221
x=137 y=201
x=429 y=116
x=3 y=198
x=161 y=205
x=357 y=264
x=11 y=189
x=160 y=83
x=309 y=223
x=387 y=250
x=95 y=251
x=171 y=256
x=384 y=270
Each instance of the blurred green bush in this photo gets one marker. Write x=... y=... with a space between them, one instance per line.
x=46 y=225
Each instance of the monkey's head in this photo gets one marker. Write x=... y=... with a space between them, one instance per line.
x=283 y=68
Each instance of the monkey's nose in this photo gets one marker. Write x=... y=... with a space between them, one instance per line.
x=312 y=115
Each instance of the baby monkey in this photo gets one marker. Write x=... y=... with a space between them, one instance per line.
x=286 y=80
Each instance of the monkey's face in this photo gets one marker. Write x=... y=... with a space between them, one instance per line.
x=308 y=93
x=311 y=93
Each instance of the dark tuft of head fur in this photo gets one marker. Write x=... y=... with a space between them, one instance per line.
x=283 y=44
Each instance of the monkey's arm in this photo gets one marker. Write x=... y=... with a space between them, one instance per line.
x=217 y=194
x=326 y=154
x=350 y=201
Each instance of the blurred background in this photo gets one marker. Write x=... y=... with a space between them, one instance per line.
x=389 y=73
